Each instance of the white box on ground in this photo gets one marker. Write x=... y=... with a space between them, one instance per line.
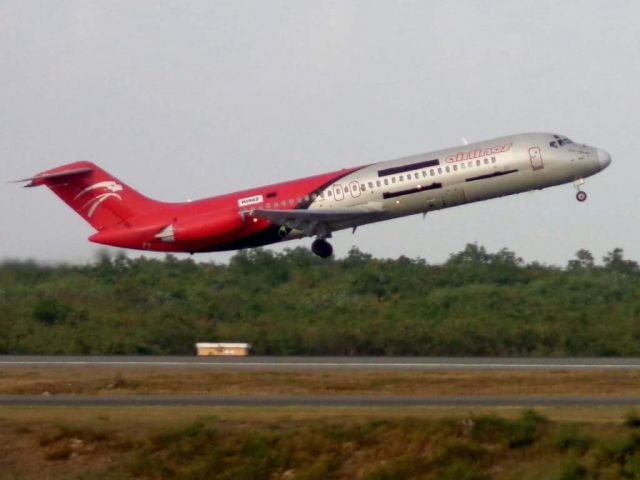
x=231 y=349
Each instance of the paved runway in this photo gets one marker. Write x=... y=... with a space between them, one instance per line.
x=325 y=363
x=316 y=401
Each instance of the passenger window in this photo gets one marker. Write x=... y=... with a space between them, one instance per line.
x=447 y=169
x=378 y=184
x=455 y=168
x=470 y=164
x=432 y=172
x=486 y=161
x=393 y=179
x=477 y=163
x=346 y=189
x=462 y=165
x=291 y=201
x=370 y=184
x=313 y=196
x=386 y=181
x=268 y=205
x=493 y=159
x=362 y=187
x=400 y=178
x=329 y=193
x=276 y=204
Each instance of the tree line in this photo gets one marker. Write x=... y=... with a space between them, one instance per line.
x=293 y=303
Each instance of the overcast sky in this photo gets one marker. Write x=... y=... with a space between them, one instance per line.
x=189 y=99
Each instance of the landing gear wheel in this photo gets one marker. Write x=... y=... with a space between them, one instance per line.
x=581 y=196
x=322 y=248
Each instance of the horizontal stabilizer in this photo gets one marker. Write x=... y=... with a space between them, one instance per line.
x=39 y=179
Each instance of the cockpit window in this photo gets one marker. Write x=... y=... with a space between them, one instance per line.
x=560 y=141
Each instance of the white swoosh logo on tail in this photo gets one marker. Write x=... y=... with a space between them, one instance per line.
x=96 y=201
x=109 y=185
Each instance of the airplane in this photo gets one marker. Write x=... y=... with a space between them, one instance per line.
x=319 y=205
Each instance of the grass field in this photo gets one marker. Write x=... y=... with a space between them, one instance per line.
x=108 y=380
x=385 y=443
x=303 y=443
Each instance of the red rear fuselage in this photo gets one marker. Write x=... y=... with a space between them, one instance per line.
x=125 y=218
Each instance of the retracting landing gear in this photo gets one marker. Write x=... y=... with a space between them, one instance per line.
x=322 y=248
x=580 y=195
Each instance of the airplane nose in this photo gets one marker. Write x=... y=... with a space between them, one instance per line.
x=604 y=159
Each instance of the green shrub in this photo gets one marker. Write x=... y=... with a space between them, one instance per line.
x=569 y=437
x=572 y=470
x=515 y=433
x=632 y=419
x=50 y=311
x=619 y=450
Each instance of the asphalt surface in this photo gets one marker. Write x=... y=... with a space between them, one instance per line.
x=325 y=363
x=315 y=401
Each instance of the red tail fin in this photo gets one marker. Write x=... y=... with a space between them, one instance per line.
x=99 y=198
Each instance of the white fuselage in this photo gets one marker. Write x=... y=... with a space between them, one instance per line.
x=468 y=173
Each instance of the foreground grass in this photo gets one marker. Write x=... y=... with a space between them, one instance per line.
x=371 y=444
x=110 y=380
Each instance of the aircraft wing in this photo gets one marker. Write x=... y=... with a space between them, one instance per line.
x=319 y=220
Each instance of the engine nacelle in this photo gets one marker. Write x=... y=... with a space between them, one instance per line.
x=201 y=228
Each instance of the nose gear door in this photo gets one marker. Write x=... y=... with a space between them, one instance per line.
x=535 y=155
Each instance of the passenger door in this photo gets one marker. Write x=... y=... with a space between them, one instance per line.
x=535 y=155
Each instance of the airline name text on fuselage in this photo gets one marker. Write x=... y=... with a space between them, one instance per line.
x=478 y=153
